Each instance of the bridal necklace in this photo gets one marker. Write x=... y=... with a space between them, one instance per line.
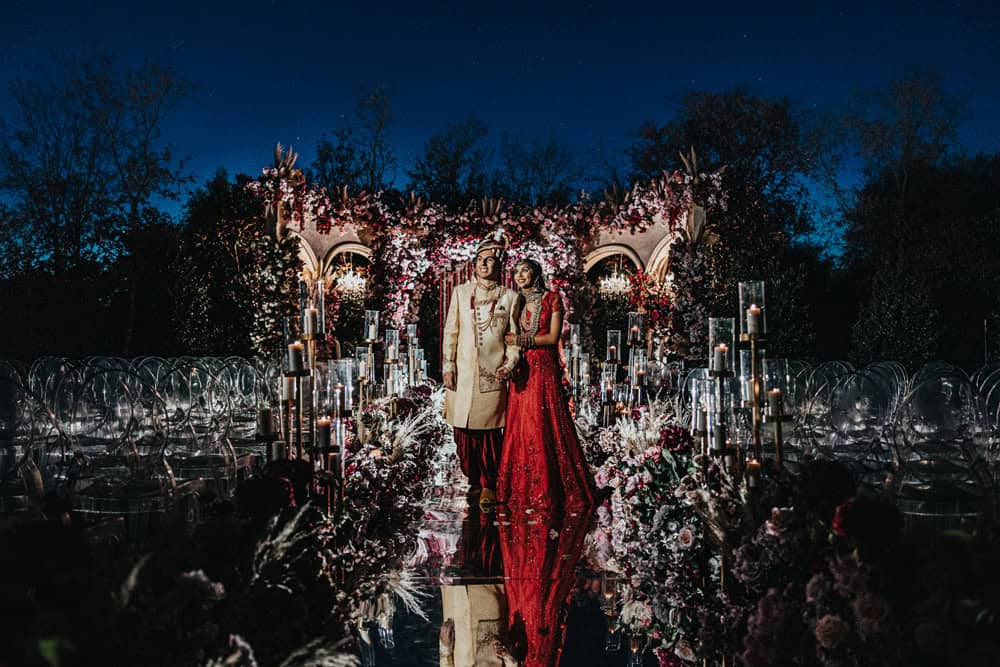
x=533 y=304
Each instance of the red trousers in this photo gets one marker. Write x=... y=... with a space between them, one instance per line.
x=479 y=454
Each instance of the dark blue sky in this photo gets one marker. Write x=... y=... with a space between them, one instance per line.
x=588 y=72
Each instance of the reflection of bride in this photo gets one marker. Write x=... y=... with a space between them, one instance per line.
x=540 y=557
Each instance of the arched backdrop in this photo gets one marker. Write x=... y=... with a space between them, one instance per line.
x=416 y=247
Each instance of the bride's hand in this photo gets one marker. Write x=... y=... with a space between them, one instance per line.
x=509 y=339
x=503 y=373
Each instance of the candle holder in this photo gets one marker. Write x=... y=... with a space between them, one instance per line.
x=614 y=346
x=635 y=330
x=776 y=382
x=295 y=410
x=371 y=327
x=751 y=361
x=752 y=313
x=391 y=345
x=320 y=302
x=721 y=346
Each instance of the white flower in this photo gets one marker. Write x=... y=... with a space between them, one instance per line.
x=684 y=651
x=685 y=538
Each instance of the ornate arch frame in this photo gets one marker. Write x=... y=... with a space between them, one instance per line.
x=610 y=250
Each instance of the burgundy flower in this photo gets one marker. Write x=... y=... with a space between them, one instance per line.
x=871 y=613
x=831 y=630
x=850 y=576
x=816 y=588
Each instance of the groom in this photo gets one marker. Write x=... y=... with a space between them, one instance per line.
x=476 y=365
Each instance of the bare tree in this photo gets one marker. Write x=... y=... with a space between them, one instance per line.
x=360 y=155
x=912 y=121
x=455 y=166
x=538 y=171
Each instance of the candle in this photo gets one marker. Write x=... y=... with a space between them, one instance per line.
x=390 y=384
x=276 y=451
x=390 y=355
x=774 y=402
x=753 y=472
x=754 y=319
x=372 y=331
x=633 y=335
x=699 y=421
x=310 y=321
x=338 y=400
x=719 y=437
x=288 y=389
x=295 y=357
x=640 y=378
x=264 y=424
x=575 y=339
x=613 y=354
x=719 y=358
x=323 y=432
x=608 y=393
x=362 y=369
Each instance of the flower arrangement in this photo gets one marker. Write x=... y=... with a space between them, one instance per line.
x=817 y=569
x=413 y=246
x=652 y=298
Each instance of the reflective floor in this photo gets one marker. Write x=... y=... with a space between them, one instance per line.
x=501 y=590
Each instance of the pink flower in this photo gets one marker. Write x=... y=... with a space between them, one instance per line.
x=685 y=538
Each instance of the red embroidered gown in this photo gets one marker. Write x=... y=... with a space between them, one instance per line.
x=540 y=554
x=542 y=465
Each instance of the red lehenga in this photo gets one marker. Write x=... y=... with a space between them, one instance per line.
x=540 y=554
x=542 y=465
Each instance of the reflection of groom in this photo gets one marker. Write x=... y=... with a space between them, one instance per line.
x=476 y=365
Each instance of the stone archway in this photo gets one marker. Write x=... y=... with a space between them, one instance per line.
x=660 y=259
x=345 y=248
x=610 y=250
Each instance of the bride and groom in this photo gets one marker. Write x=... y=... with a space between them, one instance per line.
x=514 y=433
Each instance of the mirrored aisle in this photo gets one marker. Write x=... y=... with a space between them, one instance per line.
x=501 y=589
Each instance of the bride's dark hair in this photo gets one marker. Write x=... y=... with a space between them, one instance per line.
x=536 y=271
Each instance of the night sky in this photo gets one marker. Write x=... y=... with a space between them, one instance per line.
x=586 y=72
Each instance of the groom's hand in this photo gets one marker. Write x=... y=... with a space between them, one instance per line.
x=449 y=381
x=510 y=339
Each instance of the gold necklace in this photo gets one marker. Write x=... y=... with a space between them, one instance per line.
x=532 y=297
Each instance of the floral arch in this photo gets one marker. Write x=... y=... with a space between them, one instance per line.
x=413 y=244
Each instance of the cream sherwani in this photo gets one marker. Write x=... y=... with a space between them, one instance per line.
x=473 y=348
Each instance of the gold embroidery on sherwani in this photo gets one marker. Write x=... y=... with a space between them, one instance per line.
x=494 y=323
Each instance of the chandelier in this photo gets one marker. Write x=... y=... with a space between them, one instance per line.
x=351 y=283
x=615 y=286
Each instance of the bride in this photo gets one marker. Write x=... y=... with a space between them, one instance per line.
x=542 y=464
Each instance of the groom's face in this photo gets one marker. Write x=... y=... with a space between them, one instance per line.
x=487 y=265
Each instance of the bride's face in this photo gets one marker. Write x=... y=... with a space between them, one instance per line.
x=523 y=276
